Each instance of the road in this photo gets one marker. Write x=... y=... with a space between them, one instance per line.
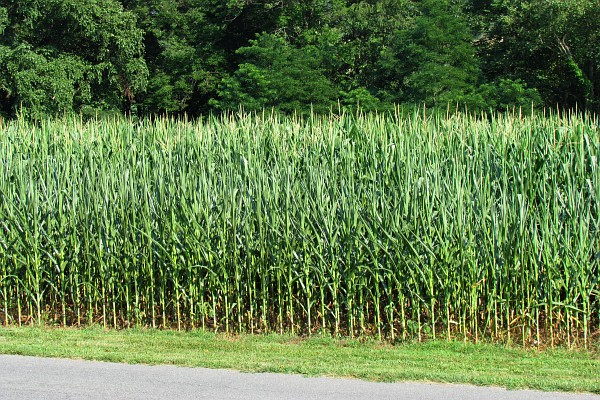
x=44 y=378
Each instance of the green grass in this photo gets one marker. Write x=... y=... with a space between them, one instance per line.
x=437 y=361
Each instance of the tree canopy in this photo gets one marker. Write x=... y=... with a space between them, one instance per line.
x=194 y=56
x=60 y=56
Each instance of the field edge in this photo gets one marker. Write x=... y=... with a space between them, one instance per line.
x=433 y=361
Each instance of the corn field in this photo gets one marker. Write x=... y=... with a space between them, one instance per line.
x=401 y=227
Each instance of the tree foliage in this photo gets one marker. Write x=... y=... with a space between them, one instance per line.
x=59 y=56
x=274 y=74
x=196 y=56
x=436 y=57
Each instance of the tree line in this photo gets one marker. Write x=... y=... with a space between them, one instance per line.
x=152 y=57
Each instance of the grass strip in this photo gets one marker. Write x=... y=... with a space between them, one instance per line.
x=436 y=361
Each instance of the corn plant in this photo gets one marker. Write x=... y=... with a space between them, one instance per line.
x=399 y=226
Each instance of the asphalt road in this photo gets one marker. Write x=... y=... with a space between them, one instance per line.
x=43 y=378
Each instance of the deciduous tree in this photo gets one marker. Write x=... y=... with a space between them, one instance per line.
x=61 y=56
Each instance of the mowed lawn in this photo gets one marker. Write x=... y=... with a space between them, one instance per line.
x=437 y=361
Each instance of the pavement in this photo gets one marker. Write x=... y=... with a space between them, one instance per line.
x=35 y=378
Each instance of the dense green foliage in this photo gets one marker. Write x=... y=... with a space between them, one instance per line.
x=195 y=56
x=395 y=226
x=57 y=56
